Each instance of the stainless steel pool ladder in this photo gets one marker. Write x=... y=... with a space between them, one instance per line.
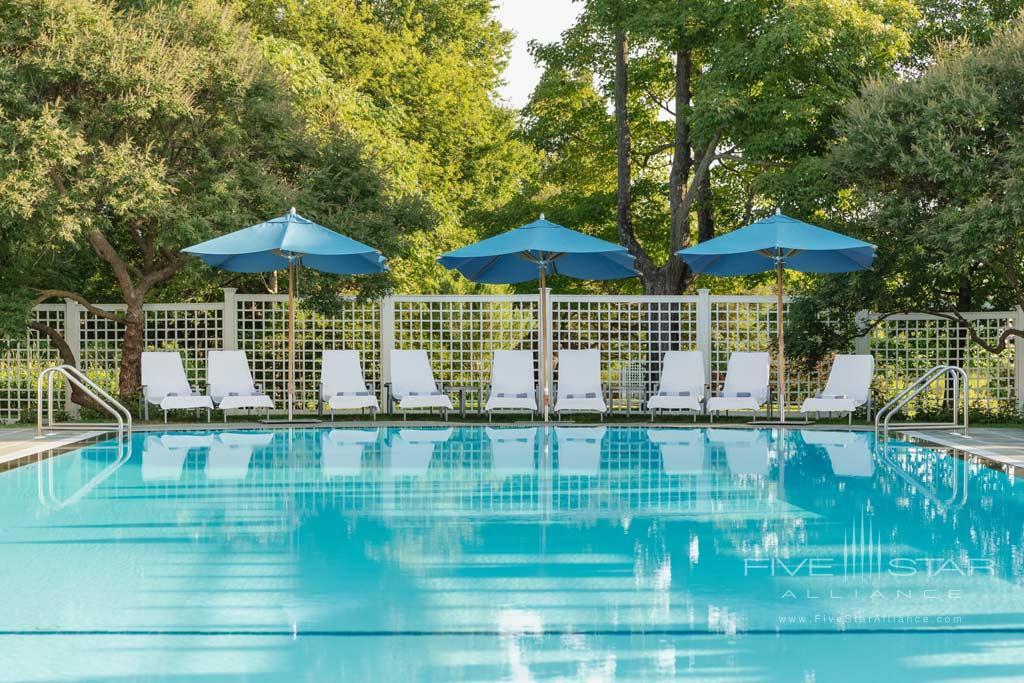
x=961 y=401
x=122 y=416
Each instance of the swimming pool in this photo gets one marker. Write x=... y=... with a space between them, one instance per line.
x=472 y=553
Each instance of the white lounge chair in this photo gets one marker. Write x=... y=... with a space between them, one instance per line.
x=746 y=383
x=411 y=450
x=341 y=451
x=164 y=384
x=579 y=450
x=682 y=385
x=230 y=454
x=512 y=385
x=746 y=450
x=513 y=450
x=579 y=388
x=163 y=457
x=848 y=386
x=412 y=383
x=683 y=451
x=342 y=386
x=230 y=383
x=849 y=452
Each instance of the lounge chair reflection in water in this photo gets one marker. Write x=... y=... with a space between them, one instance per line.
x=579 y=450
x=849 y=452
x=746 y=450
x=683 y=451
x=411 y=450
x=231 y=453
x=341 y=451
x=163 y=457
x=513 y=450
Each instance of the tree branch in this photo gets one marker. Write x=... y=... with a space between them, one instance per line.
x=106 y=251
x=44 y=294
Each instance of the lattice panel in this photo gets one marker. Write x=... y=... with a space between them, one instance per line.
x=189 y=330
x=461 y=334
x=632 y=334
x=749 y=324
x=101 y=348
x=263 y=335
x=906 y=346
x=21 y=362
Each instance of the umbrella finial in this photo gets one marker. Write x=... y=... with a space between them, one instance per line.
x=778 y=211
x=291 y=211
x=542 y=217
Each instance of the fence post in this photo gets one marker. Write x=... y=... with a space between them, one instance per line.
x=230 y=327
x=1018 y=359
x=704 y=329
x=73 y=336
x=862 y=343
x=387 y=343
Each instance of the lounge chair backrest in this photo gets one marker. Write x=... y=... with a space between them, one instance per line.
x=579 y=374
x=342 y=374
x=850 y=377
x=163 y=374
x=227 y=372
x=747 y=373
x=682 y=371
x=512 y=373
x=411 y=373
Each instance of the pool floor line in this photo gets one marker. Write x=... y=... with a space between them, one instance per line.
x=497 y=634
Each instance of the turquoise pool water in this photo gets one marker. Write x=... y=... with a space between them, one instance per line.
x=521 y=554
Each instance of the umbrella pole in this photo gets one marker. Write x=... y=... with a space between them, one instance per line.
x=780 y=328
x=291 y=337
x=543 y=341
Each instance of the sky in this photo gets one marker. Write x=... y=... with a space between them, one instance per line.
x=542 y=20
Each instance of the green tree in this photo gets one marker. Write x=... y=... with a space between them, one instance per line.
x=713 y=107
x=127 y=134
x=414 y=81
x=931 y=170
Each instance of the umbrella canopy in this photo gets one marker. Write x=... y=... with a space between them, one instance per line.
x=533 y=252
x=754 y=249
x=289 y=241
x=273 y=245
x=517 y=255
x=776 y=243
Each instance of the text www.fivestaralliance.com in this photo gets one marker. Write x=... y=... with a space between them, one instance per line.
x=851 y=620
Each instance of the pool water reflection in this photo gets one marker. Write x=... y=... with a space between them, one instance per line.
x=509 y=553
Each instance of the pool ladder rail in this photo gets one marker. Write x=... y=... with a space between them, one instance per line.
x=122 y=416
x=961 y=401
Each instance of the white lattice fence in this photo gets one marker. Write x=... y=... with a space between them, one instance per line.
x=743 y=323
x=262 y=329
x=905 y=346
x=632 y=334
x=461 y=334
x=23 y=359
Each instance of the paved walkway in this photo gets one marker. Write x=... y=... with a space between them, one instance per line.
x=22 y=442
x=1002 y=445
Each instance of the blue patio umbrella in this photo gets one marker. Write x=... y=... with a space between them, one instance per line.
x=289 y=241
x=776 y=243
x=535 y=251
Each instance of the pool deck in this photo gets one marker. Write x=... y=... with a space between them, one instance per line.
x=21 y=442
x=1004 y=446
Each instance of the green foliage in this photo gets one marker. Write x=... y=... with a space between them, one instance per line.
x=768 y=80
x=930 y=169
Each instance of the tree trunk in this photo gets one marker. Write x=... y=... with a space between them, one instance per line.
x=133 y=343
x=705 y=210
x=677 y=275
x=67 y=357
